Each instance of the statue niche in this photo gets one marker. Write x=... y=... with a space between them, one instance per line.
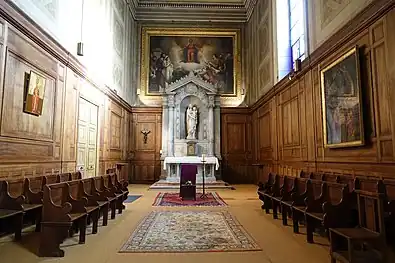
x=191 y=122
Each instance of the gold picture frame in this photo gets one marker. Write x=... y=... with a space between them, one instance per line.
x=341 y=93
x=35 y=90
x=180 y=35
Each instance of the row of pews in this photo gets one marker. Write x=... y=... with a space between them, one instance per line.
x=60 y=205
x=356 y=214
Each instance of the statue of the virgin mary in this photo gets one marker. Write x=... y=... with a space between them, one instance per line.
x=191 y=121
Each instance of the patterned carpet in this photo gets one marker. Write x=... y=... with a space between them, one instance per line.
x=173 y=199
x=189 y=231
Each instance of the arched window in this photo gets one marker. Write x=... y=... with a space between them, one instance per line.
x=291 y=34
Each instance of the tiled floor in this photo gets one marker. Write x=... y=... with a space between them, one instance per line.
x=279 y=244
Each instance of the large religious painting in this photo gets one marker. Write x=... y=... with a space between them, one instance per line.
x=341 y=102
x=35 y=94
x=169 y=55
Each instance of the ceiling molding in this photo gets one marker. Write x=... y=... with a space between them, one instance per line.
x=230 y=11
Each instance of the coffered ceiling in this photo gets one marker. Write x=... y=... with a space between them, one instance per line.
x=229 y=11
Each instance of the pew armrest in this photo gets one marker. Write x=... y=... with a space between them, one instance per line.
x=339 y=215
x=298 y=199
x=11 y=203
x=78 y=205
x=55 y=213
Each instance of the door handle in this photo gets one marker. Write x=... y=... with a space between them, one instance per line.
x=90 y=167
x=81 y=168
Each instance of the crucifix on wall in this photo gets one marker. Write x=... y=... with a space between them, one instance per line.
x=145 y=132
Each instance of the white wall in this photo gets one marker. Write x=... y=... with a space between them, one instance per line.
x=107 y=33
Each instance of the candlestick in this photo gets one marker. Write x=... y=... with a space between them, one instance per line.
x=203 y=157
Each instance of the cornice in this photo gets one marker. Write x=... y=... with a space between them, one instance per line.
x=198 y=11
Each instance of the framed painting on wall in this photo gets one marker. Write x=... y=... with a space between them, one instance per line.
x=34 y=99
x=341 y=102
x=169 y=54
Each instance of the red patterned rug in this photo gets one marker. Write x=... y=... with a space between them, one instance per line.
x=174 y=199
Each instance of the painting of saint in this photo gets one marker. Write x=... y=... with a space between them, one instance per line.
x=174 y=57
x=341 y=101
x=35 y=94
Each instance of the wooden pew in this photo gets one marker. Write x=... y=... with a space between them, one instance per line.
x=389 y=208
x=75 y=176
x=299 y=193
x=34 y=198
x=58 y=216
x=101 y=190
x=315 y=195
x=88 y=190
x=32 y=205
x=285 y=195
x=114 y=192
x=336 y=209
x=265 y=186
x=362 y=243
x=273 y=191
x=50 y=179
x=64 y=177
x=11 y=209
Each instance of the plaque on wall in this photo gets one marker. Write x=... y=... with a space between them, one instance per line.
x=191 y=148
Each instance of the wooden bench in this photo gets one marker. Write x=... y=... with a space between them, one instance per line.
x=77 y=195
x=11 y=209
x=114 y=192
x=101 y=190
x=287 y=190
x=314 y=196
x=101 y=200
x=265 y=186
x=299 y=193
x=337 y=208
x=58 y=216
x=272 y=192
x=362 y=243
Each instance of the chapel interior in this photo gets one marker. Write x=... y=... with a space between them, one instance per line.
x=197 y=131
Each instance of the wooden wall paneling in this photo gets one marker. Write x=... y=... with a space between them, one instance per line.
x=236 y=148
x=389 y=25
x=69 y=137
x=146 y=159
x=382 y=106
x=297 y=112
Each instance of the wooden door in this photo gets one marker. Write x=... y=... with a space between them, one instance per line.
x=87 y=138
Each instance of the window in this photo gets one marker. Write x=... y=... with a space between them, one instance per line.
x=291 y=36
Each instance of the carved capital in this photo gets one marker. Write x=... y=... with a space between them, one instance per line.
x=170 y=100
x=211 y=101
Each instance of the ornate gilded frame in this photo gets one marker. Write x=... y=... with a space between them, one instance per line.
x=361 y=141
x=147 y=32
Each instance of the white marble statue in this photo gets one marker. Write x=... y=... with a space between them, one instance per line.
x=192 y=121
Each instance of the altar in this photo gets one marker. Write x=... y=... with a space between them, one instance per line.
x=190 y=128
x=172 y=166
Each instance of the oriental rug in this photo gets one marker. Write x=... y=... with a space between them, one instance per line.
x=189 y=231
x=173 y=199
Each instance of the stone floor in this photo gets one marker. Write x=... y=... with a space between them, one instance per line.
x=279 y=244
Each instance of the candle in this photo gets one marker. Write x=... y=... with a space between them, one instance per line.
x=203 y=157
x=160 y=152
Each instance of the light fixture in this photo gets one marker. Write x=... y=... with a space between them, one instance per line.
x=80 y=45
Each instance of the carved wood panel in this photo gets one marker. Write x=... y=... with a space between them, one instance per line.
x=145 y=151
x=298 y=114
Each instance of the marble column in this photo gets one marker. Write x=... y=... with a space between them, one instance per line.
x=211 y=126
x=217 y=126
x=165 y=126
x=171 y=126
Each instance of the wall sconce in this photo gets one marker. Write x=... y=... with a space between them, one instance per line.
x=145 y=133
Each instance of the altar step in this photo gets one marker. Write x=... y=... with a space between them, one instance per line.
x=219 y=184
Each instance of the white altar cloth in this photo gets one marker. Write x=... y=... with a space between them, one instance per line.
x=192 y=160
